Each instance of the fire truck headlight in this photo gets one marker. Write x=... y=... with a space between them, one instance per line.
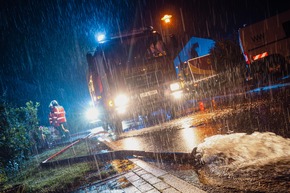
x=177 y=94
x=121 y=100
x=92 y=114
x=175 y=86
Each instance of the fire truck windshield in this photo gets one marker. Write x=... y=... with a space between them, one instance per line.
x=133 y=50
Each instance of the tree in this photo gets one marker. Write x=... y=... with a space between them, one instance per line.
x=228 y=62
x=16 y=137
x=226 y=54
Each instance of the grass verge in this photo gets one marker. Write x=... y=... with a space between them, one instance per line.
x=33 y=178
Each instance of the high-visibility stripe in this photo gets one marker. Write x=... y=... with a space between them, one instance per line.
x=247 y=58
x=259 y=56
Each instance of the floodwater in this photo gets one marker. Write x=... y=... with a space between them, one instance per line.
x=170 y=138
x=186 y=133
x=227 y=157
x=258 y=162
x=174 y=140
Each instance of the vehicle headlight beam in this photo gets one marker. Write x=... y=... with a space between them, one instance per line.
x=92 y=114
x=121 y=100
x=175 y=86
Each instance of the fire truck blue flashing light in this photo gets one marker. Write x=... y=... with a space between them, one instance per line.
x=100 y=38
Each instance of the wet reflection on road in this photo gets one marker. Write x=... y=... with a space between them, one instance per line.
x=181 y=138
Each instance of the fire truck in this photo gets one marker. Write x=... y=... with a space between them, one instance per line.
x=132 y=79
x=266 y=45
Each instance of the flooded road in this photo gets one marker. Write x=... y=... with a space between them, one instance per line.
x=180 y=135
x=267 y=111
x=252 y=156
x=175 y=140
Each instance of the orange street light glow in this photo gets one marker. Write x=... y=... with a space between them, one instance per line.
x=166 y=18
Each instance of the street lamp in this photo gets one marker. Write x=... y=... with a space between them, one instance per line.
x=166 y=18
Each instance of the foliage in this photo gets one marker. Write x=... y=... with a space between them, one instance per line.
x=226 y=54
x=19 y=127
x=43 y=138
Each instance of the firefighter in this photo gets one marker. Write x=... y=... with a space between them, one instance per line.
x=57 y=118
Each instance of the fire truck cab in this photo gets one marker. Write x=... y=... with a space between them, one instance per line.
x=131 y=77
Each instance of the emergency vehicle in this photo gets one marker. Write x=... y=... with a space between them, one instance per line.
x=266 y=44
x=132 y=79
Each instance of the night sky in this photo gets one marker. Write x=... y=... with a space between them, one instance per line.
x=44 y=42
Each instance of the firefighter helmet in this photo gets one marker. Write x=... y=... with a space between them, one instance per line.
x=53 y=103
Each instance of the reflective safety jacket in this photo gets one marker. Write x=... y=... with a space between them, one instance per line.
x=57 y=116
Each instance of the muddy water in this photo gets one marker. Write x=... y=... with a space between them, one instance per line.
x=257 y=162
